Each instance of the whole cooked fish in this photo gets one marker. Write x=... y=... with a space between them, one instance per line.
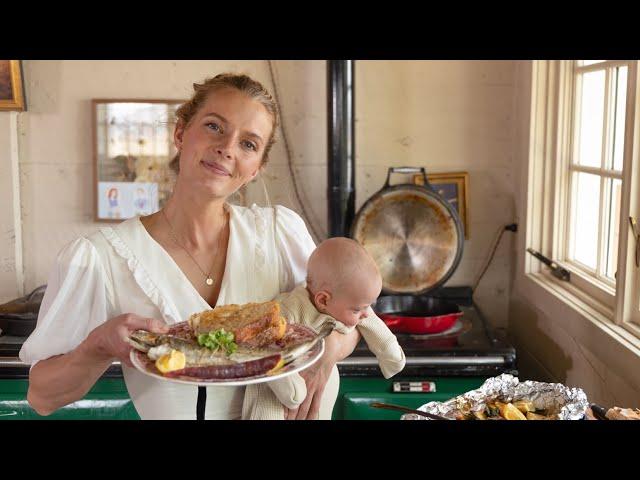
x=203 y=362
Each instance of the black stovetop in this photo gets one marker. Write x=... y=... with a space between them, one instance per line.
x=470 y=348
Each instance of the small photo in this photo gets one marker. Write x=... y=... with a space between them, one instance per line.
x=122 y=200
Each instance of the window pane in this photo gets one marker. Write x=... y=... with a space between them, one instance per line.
x=591 y=118
x=613 y=227
x=583 y=63
x=620 y=92
x=586 y=218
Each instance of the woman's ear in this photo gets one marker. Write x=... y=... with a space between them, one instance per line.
x=177 y=134
x=322 y=299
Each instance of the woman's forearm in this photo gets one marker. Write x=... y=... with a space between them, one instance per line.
x=63 y=379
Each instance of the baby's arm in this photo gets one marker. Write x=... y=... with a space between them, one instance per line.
x=383 y=343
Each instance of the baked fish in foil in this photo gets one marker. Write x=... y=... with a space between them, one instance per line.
x=550 y=401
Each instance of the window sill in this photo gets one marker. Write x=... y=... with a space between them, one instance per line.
x=591 y=310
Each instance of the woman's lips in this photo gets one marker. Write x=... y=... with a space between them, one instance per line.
x=215 y=168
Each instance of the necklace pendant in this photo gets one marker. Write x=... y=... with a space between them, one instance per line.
x=209 y=281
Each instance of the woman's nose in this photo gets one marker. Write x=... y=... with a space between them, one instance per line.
x=225 y=146
x=223 y=151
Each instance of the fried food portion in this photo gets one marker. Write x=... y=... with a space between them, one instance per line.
x=535 y=416
x=617 y=413
x=252 y=324
x=496 y=410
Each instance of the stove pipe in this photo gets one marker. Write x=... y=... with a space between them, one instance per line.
x=341 y=161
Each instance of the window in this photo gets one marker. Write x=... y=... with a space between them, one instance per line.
x=585 y=147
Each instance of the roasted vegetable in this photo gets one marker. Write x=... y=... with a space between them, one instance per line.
x=524 y=406
x=509 y=412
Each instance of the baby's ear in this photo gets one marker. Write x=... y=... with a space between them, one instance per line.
x=322 y=298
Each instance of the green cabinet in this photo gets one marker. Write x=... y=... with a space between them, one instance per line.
x=356 y=393
x=107 y=400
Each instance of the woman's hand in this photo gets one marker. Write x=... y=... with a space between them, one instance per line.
x=337 y=347
x=108 y=341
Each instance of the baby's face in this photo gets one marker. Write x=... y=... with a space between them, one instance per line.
x=352 y=305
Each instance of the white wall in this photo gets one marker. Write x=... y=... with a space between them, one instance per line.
x=443 y=115
x=446 y=116
x=11 y=281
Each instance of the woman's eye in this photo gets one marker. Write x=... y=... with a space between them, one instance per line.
x=214 y=126
x=250 y=145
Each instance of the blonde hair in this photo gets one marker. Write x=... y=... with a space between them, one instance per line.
x=241 y=82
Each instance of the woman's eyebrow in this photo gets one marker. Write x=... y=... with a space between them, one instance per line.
x=213 y=114
x=224 y=120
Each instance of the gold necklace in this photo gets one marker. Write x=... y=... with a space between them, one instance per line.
x=209 y=280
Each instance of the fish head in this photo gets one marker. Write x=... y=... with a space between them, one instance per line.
x=143 y=340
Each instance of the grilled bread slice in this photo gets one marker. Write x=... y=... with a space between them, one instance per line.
x=253 y=324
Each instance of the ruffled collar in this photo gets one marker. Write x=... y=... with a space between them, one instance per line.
x=156 y=272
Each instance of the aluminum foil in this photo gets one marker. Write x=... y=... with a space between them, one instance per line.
x=567 y=403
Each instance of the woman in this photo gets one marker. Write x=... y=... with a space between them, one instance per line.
x=196 y=253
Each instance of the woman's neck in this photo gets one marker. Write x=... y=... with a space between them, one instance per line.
x=197 y=222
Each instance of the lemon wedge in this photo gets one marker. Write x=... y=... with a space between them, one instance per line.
x=278 y=366
x=509 y=412
x=174 y=360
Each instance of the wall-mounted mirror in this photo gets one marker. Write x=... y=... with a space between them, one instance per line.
x=133 y=146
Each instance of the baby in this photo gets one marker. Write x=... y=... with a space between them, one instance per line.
x=342 y=283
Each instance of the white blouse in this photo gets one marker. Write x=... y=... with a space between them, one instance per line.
x=122 y=269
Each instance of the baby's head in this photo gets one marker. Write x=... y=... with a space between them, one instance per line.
x=343 y=280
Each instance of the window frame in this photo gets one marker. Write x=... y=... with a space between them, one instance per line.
x=552 y=138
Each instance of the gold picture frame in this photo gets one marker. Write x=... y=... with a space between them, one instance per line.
x=453 y=187
x=11 y=87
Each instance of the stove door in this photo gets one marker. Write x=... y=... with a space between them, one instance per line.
x=357 y=393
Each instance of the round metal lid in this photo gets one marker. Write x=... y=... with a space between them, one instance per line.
x=414 y=236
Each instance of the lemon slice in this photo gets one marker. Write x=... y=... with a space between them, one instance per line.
x=278 y=366
x=509 y=412
x=174 y=360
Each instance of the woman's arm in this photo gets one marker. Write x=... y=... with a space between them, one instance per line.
x=338 y=346
x=63 y=379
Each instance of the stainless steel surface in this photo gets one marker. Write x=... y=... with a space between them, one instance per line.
x=12 y=362
x=411 y=236
x=458 y=360
x=399 y=408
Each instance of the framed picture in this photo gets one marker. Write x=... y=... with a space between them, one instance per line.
x=453 y=187
x=11 y=87
x=132 y=148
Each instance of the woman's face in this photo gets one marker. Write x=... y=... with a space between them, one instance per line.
x=221 y=149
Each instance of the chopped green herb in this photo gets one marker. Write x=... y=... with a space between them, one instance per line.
x=218 y=339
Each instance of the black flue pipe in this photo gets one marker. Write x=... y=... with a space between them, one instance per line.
x=341 y=143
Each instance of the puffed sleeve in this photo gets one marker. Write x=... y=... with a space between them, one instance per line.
x=75 y=302
x=294 y=244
